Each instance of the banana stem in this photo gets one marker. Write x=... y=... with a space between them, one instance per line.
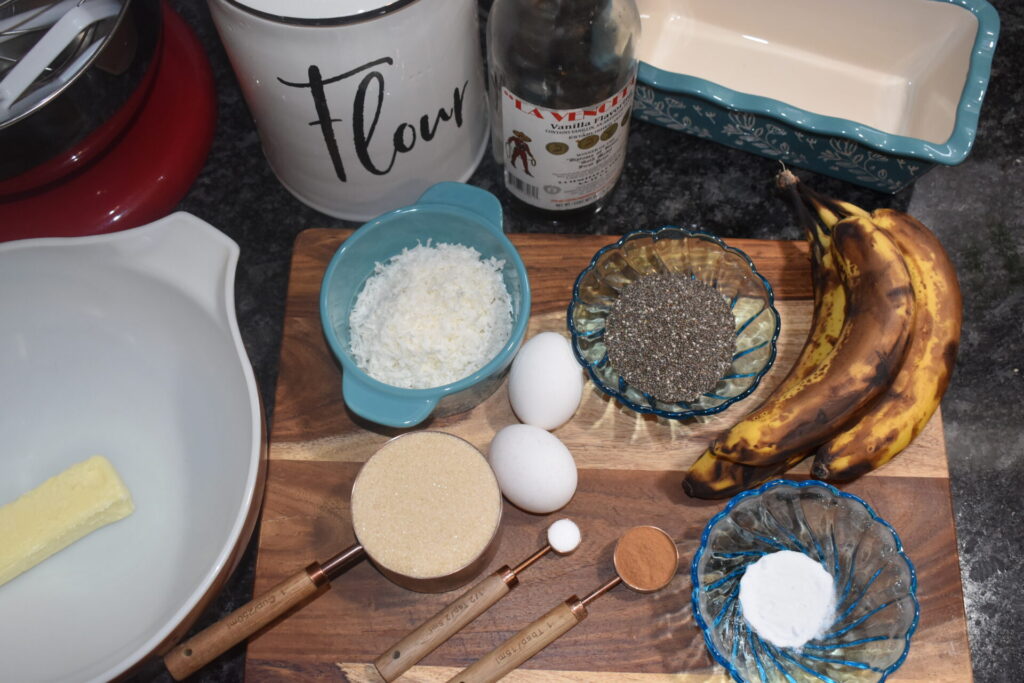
x=818 y=235
x=829 y=209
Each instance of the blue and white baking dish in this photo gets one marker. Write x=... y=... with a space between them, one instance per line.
x=874 y=92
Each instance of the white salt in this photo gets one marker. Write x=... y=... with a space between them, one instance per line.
x=787 y=598
x=564 y=536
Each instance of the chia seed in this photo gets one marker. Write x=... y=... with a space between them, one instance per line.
x=670 y=336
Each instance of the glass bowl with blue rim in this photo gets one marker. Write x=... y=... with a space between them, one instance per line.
x=695 y=254
x=876 y=607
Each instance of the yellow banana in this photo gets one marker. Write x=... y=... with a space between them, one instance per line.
x=900 y=400
x=713 y=477
x=899 y=415
x=800 y=415
x=829 y=294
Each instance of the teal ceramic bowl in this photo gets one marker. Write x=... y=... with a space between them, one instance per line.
x=447 y=212
x=889 y=81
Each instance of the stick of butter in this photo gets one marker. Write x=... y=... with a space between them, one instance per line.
x=61 y=510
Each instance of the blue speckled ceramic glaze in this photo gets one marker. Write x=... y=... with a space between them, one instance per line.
x=447 y=212
x=832 y=146
x=877 y=610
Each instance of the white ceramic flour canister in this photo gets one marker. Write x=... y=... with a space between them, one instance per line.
x=361 y=105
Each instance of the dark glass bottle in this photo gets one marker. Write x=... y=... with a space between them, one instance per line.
x=562 y=75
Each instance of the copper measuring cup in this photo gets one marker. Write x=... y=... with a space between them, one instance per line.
x=646 y=559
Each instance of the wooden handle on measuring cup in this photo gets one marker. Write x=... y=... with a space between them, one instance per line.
x=525 y=644
x=207 y=645
x=426 y=638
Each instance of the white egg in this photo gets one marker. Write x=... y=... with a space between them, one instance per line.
x=545 y=383
x=534 y=469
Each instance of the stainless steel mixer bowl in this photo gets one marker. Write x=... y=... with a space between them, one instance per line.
x=75 y=122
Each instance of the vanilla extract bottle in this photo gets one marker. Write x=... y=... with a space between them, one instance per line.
x=562 y=75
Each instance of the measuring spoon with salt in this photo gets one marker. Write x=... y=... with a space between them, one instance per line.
x=563 y=537
x=646 y=559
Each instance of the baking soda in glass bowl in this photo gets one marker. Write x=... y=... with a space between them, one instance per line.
x=840 y=549
x=788 y=598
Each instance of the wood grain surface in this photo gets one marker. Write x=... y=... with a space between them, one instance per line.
x=631 y=467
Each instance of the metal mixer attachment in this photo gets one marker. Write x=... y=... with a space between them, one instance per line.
x=43 y=44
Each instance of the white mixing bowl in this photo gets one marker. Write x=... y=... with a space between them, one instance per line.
x=126 y=345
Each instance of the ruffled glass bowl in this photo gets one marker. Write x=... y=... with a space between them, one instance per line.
x=876 y=587
x=699 y=255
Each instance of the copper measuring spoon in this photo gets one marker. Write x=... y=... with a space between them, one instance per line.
x=646 y=559
x=453 y=618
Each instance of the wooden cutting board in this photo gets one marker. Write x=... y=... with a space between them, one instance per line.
x=630 y=467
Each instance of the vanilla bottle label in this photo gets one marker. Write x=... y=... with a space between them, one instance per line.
x=563 y=159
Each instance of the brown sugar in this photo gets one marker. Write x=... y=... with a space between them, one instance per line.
x=425 y=505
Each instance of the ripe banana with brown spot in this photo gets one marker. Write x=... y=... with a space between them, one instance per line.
x=829 y=295
x=800 y=415
x=903 y=410
x=713 y=477
x=899 y=415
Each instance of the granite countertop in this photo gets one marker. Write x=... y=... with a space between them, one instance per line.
x=977 y=209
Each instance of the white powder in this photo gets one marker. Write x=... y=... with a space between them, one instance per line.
x=430 y=316
x=564 y=536
x=788 y=598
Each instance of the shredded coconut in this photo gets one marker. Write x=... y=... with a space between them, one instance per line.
x=430 y=316
x=788 y=598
